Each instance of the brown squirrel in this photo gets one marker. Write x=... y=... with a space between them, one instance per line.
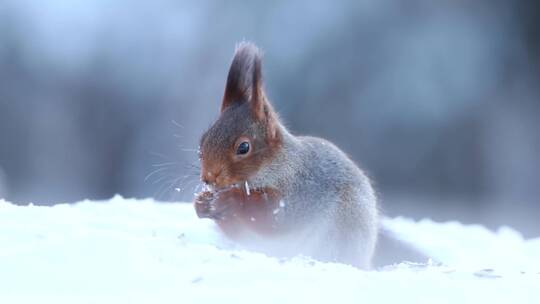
x=280 y=193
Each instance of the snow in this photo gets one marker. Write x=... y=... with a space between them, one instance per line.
x=141 y=251
x=246 y=185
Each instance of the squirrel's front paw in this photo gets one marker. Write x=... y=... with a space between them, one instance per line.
x=219 y=205
x=204 y=204
x=228 y=203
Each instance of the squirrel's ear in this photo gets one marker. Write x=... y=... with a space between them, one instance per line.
x=244 y=82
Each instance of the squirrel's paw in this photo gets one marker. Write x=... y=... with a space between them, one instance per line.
x=218 y=205
x=204 y=204
x=228 y=203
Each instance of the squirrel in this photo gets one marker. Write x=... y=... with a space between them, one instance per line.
x=271 y=190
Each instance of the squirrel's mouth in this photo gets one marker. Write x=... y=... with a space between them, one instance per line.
x=244 y=185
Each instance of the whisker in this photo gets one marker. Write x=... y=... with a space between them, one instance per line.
x=184 y=186
x=177 y=124
x=180 y=184
x=155 y=172
x=183 y=149
x=167 y=164
x=161 y=156
x=197 y=187
x=163 y=178
x=166 y=186
x=173 y=178
x=192 y=167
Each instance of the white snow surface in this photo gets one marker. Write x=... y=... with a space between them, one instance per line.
x=142 y=251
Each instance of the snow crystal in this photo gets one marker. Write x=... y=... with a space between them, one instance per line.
x=247 y=188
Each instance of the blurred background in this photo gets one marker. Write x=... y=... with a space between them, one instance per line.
x=438 y=101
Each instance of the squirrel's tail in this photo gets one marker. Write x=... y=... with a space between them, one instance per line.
x=391 y=250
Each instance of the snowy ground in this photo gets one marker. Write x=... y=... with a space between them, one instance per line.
x=128 y=251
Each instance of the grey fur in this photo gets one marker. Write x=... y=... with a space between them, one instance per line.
x=327 y=198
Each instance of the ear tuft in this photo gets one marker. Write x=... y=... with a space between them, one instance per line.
x=244 y=82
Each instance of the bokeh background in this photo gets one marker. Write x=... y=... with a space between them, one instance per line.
x=437 y=100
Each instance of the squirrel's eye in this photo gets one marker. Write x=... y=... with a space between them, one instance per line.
x=243 y=148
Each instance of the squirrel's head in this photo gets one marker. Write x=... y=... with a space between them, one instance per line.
x=247 y=133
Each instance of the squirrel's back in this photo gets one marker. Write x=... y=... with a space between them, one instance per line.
x=325 y=193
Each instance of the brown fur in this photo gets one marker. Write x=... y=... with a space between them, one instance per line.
x=245 y=112
x=236 y=211
x=246 y=115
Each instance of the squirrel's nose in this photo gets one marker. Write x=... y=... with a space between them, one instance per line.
x=209 y=178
